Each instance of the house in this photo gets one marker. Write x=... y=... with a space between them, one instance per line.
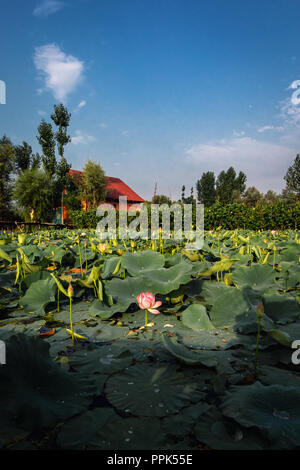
x=115 y=188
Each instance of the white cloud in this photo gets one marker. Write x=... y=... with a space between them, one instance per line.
x=62 y=73
x=103 y=125
x=238 y=134
x=265 y=163
x=270 y=128
x=81 y=138
x=79 y=106
x=47 y=7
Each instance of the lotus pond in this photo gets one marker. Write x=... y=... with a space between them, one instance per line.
x=213 y=370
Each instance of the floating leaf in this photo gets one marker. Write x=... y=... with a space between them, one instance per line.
x=186 y=356
x=196 y=318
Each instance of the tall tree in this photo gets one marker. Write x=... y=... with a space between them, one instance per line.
x=24 y=157
x=93 y=184
x=161 y=199
x=292 y=177
x=252 y=197
x=183 y=193
x=270 y=197
x=61 y=118
x=34 y=190
x=227 y=182
x=206 y=189
x=7 y=162
x=47 y=142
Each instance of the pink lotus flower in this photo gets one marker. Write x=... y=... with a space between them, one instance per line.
x=146 y=301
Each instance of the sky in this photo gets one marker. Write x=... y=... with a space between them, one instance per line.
x=160 y=91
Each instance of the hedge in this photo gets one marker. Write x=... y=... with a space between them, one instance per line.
x=279 y=216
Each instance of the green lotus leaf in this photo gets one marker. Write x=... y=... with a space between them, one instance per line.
x=195 y=287
x=228 y=307
x=129 y=434
x=34 y=277
x=150 y=390
x=136 y=263
x=196 y=318
x=109 y=266
x=57 y=251
x=260 y=277
x=103 y=311
x=171 y=260
x=281 y=308
x=289 y=275
x=211 y=290
x=125 y=291
x=269 y=375
x=5 y=256
x=221 y=434
x=183 y=354
x=281 y=336
x=107 y=359
x=38 y=296
x=89 y=255
x=78 y=431
x=217 y=339
x=164 y=281
x=273 y=409
x=35 y=391
x=289 y=253
x=7 y=279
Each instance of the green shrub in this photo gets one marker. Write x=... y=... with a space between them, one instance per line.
x=278 y=216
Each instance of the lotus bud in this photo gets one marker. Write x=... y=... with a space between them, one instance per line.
x=260 y=309
x=70 y=290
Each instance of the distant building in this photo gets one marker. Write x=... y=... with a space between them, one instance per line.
x=115 y=188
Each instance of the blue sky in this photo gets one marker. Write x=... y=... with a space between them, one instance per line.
x=161 y=90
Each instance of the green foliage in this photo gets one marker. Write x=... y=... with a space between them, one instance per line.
x=252 y=197
x=206 y=189
x=34 y=188
x=7 y=162
x=93 y=183
x=161 y=199
x=231 y=216
x=47 y=142
x=84 y=219
x=72 y=202
x=292 y=177
x=24 y=158
x=227 y=182
x=61 y=118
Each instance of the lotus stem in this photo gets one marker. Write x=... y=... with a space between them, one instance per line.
x=146 y=322
x=80 y=258
x=86 y=263
x=71 y=324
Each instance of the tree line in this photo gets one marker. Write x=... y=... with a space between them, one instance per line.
x=33 y=185
x=230 y=187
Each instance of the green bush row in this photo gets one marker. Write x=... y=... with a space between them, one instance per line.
x=279 y=216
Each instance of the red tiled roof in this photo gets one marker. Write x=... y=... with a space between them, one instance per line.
x=116 y=188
